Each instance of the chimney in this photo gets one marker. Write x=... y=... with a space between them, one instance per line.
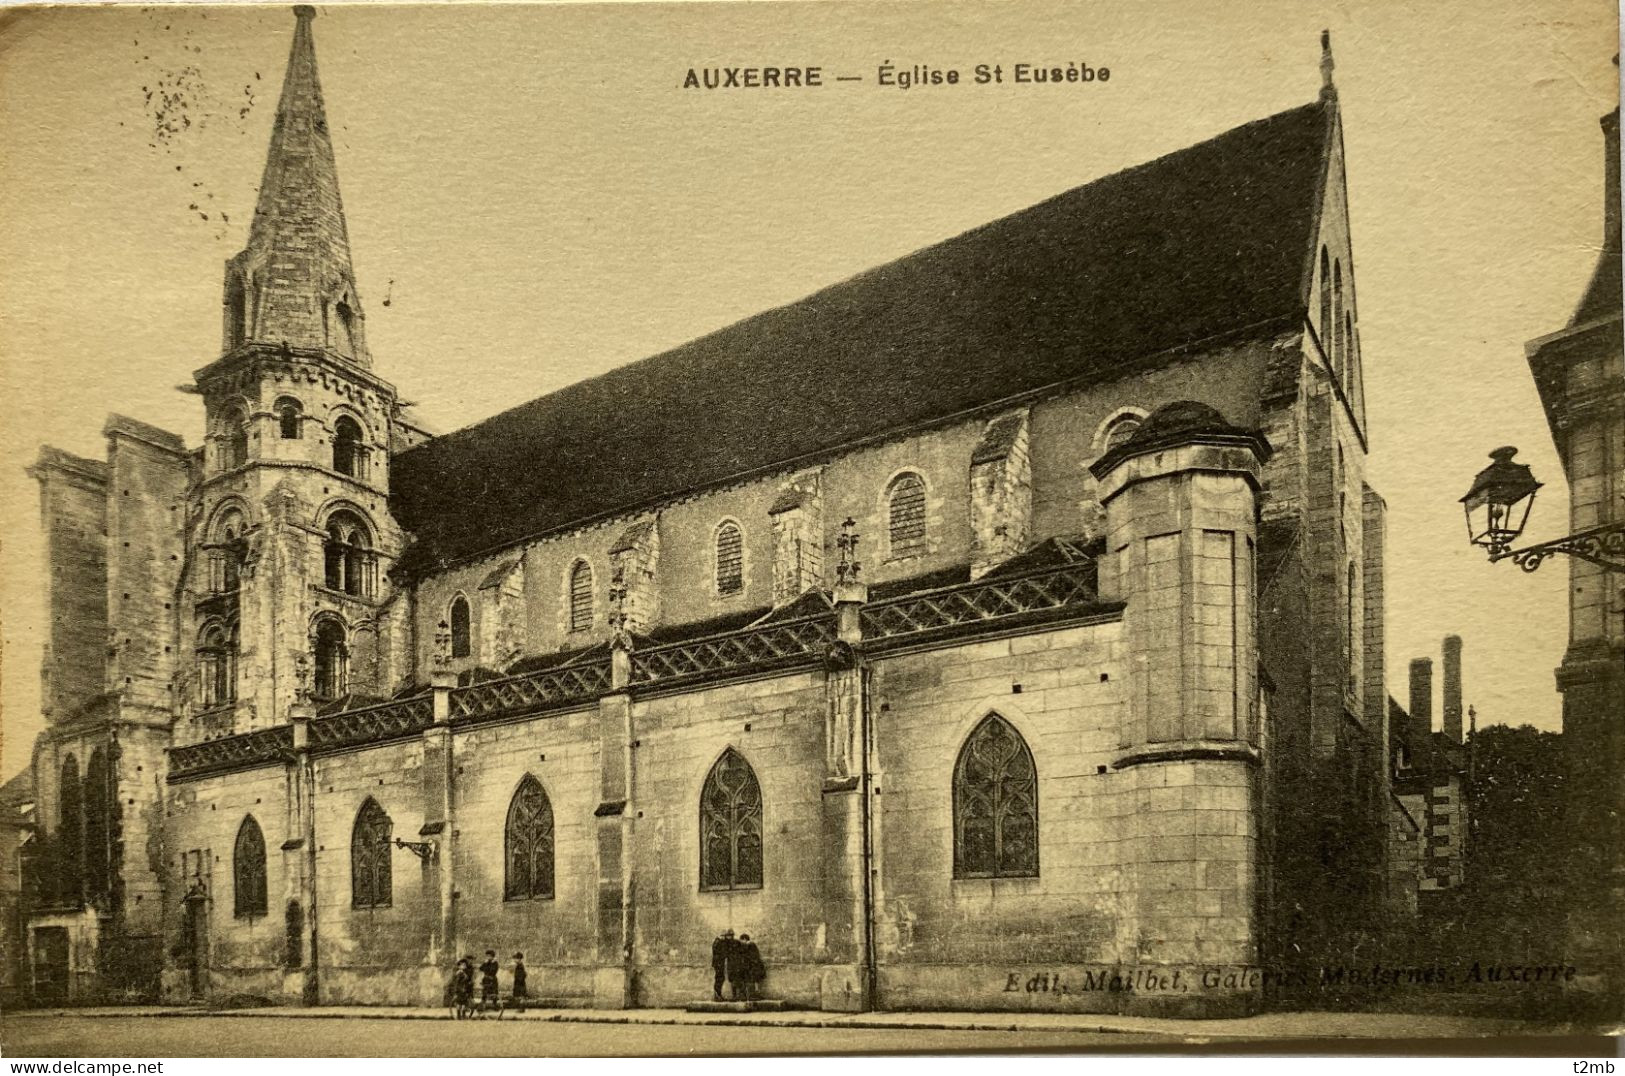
x=1452 y=688
x=1422 y=694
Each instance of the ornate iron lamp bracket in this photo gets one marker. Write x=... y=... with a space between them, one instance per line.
x=424 y=850
x=1603 y=546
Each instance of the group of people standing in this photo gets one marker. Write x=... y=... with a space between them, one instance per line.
x=462 y=982
x=739 y=962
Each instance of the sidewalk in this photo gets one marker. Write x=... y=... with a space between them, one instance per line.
x=1281 y=1025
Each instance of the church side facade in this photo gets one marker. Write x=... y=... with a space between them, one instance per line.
x=1069 y=700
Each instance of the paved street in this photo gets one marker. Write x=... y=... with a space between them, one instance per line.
x=30 y=1035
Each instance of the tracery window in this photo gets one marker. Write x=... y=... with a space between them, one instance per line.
x=332 y=659
x=461 y=635
x=288 y=415
x=731 y=825
x=248 y=870
x=581 y=596
x=730 y=559
x=217 y=664
x=371 y=873
x=905 y=501
x=350 y=564
x=995 y=804
x=528 y=843
x=349 y=452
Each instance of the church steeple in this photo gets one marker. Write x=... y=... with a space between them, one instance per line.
x=293 y=283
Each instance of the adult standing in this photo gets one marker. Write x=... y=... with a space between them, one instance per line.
x=520 y=988
x=722 y=956
x=751 y=969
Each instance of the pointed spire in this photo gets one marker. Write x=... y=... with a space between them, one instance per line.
x=1327 y=87
x=293 y=283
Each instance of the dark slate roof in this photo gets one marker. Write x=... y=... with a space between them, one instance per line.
x=1210 y=240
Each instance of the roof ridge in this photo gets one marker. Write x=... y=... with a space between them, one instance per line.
x=622 y=370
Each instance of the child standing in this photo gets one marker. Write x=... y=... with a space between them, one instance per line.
x=488 y=980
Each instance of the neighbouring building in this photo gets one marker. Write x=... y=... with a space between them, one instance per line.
x=16 y=835
x=1000 y=628
x=1580 y=373
x=1430 y=776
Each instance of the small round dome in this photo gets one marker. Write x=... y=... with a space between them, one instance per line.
x=1181 y=417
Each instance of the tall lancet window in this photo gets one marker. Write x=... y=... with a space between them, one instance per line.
x=462 y=642
x=1325 y=327
x=70 y=833
x=995 y=804
x=236 y=312
x=731 y=825
x=99 y=798
x=528 y=842
x=232 y=437
x=371 y=869
x=1334 y=336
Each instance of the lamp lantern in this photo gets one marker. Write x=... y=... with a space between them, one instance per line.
x=1497 y=506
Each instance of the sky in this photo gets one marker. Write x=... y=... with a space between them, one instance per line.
x=539 y=200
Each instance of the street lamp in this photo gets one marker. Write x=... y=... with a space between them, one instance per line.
x=1497 y=507
x=1498 y=504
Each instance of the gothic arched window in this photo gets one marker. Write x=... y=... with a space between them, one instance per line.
x=227 y=549
x=527 y=839
x=347 y=555
x=288 y=415
x=580 y=596
x=98 y=797
x=462 y=642
x=995 y=804
x=217 y=664
x=248 y=870
x=371 y=877
x=1325 y=327
x=905 y=515
x=332 y=659
x=730 y=558
x=70 y=832
x=1333 y=336
x=731 y=825
x=233 y=438
x=349 y=452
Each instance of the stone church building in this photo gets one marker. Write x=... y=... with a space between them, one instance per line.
x=1000 y=628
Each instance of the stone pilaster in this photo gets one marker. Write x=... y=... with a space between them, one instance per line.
x=614 y=985
x=845 y=985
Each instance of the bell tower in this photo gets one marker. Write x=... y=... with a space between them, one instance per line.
x=289 y=534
